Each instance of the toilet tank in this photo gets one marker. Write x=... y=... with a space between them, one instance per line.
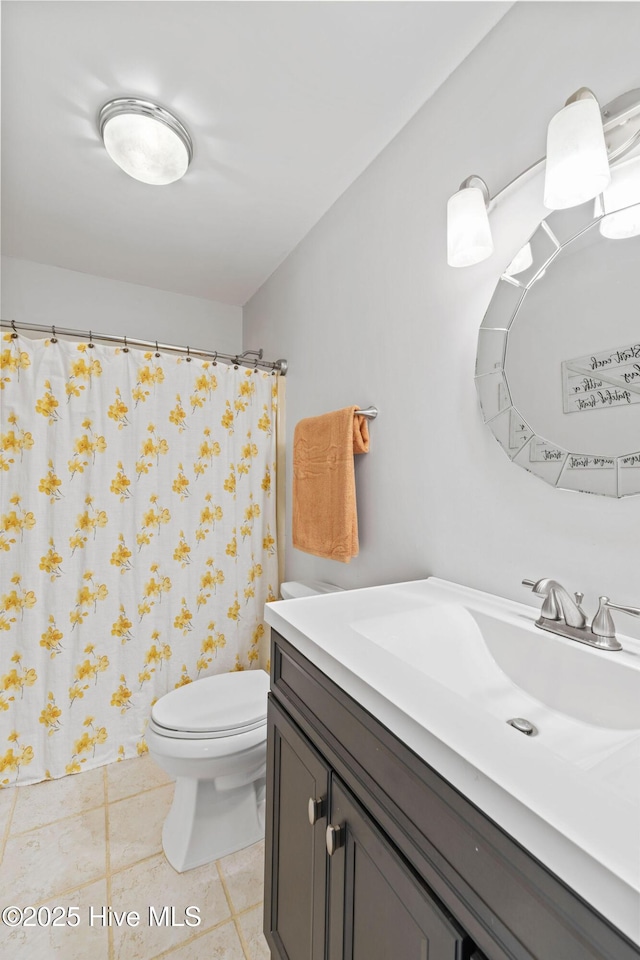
x=309 y=588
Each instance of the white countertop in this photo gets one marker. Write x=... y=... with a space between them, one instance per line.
x=585 y=828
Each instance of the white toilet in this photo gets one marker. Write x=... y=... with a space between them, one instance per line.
x=211 y=735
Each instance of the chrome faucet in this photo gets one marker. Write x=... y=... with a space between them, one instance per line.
x=558 y=605
x=564 y=616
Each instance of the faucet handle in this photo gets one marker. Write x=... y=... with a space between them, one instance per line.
x=603 y=625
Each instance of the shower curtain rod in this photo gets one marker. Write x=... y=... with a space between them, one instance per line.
x=239 y=359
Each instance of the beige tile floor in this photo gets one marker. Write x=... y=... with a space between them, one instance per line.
x=93 y=841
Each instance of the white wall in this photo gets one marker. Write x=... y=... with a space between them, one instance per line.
x=366 y=310
x=40 y=293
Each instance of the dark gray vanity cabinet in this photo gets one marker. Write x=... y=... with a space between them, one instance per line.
x=371 y=855
x=377 y=906
x=297 y=881
x=350 y=893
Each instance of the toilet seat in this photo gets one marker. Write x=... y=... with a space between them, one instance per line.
x=224 y=705
x=177 y=734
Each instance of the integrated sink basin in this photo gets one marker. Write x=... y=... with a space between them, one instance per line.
x=503 y=662
x=446 y=668
x=583 y=704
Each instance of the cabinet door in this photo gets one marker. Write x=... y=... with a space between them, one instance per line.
x=296 y=863
x=379 y=909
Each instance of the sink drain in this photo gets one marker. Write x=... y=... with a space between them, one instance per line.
x=524 y=726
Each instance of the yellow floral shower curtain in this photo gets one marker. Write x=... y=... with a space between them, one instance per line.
x=137 y=539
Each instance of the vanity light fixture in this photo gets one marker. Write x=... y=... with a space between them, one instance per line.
x=577 y=162
x=620 y=218
x=469 y=238
x=583 y=141
x=145 y=140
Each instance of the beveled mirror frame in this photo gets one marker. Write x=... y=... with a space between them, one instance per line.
x=612 y=476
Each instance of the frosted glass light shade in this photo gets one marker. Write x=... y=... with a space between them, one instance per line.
x=469 y=238
x=577 y=162
x=623 y=191
x=145 y=141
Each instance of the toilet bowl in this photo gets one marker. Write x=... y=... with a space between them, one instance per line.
x=211 y=735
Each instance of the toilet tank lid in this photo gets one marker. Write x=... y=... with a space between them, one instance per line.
x=226 y=701
x=307 y=588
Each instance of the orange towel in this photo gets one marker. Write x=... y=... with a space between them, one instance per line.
x=325 y=521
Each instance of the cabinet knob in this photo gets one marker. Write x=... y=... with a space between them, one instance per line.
x=335 y=838
x=316 y=809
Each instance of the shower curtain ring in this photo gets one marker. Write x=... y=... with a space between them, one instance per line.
x=125 y=349
x=54 y=339
x=188 y=356
x=90 y=344
x=157 y=349
x=15 y=332
x=215 y=359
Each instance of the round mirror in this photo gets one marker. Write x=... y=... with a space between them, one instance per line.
x=558 y=361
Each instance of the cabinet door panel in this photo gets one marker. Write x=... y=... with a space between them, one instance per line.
x=379 y=909
x=295 y=887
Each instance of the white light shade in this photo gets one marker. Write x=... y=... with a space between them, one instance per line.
x=577 y=162
x=145 y=141
x=522 y=261
x=623 y=191
x=468 y=232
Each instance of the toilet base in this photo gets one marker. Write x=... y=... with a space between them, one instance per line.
x=205 y=823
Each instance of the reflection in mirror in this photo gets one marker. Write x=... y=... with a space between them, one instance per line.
x=558 y=360
x=504 y=303
x=521 y=262
x=621 y=220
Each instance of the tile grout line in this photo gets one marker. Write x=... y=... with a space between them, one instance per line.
x=241 y=938
x=76 y=888
x=82 y=812
x=130 y=796
x=225 y=889
x=231 y=908
x=231 y=919
x=87 y=883
x=135 y=863
x=192 y=939
x=245 y=910
x=108 y=874
x=59 y=894
x=234 y=915
x=96 y=879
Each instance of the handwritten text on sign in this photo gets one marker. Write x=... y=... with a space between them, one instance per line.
x=607 y=379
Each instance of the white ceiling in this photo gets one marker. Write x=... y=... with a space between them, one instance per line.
x=287 y=103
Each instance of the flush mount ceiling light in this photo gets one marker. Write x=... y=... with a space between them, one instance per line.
x=145 y=140
x=582 y=142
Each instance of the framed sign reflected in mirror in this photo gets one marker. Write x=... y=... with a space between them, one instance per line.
x=558 y=360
